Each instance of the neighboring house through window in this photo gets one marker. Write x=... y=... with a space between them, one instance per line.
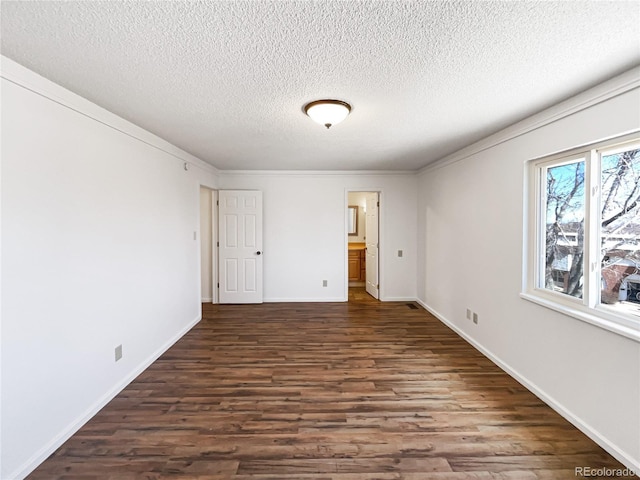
x=584 y=227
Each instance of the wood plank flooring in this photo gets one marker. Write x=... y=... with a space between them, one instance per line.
x=333 y=391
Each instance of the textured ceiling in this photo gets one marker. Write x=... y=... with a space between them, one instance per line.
x=226 y=81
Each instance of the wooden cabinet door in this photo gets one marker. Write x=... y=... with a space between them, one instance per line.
x=354 y=266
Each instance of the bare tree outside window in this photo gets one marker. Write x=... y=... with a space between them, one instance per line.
x=583 y=255
x=564 y=239
x=620 y=227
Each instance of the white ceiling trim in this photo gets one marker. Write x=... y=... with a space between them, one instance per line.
x=317 y=173
x=30 y=80
x=619 y=85
x=25 y=78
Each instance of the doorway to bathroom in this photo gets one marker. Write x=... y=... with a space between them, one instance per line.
x=363 y=245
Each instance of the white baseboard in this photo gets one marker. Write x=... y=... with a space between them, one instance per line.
x=623 y=457
x=333 y=299
x=40 y=456
x=298 y=300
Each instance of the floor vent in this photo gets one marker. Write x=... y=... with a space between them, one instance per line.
x=412 y=306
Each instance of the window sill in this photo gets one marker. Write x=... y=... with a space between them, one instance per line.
x=594 y=317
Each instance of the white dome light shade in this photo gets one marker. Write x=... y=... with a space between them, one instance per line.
x=327 y=112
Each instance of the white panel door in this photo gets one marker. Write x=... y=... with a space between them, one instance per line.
x=371 y=231
x=240 y=250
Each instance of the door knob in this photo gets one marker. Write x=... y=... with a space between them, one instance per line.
x=258 y=253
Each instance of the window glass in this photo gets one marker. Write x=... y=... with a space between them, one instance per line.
x=583 y=255
x=620 y=229
x=564 y=222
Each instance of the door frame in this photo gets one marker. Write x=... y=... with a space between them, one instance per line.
x=381 y=239
x=214 y=242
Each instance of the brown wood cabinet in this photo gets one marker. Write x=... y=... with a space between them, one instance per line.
x=357 y=265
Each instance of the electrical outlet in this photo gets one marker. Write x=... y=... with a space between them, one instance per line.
x=324 y=283
x=475 y=318
x=468 y=314
x=399 y=253
x=118 y=352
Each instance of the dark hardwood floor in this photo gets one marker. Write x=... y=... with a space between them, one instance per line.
x=359 y=294
x=344 y=391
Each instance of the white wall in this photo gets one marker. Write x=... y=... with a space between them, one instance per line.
x=98 y=250
x=471 y=256
x=305 y=232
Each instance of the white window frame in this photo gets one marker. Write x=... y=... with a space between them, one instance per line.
x=588 y=308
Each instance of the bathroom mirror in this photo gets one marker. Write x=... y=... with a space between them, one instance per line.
x=353 y=220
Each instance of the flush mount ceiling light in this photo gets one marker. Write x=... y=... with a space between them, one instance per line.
x=327 y=112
